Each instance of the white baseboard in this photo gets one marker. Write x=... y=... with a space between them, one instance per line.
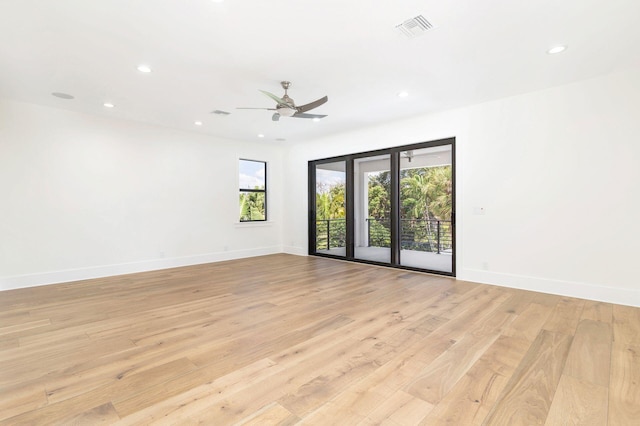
x=622 y=296
x=299 y=251
x=601 y=293
x=55 y=277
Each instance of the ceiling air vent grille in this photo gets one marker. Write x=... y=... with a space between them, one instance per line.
x=414 y=27
x=218 y=112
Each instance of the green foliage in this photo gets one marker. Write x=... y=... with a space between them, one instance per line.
x=425 y=210
x=330 y=202
x=380 y=195
x=379 y=233
x=330 y=216
x=252 y=206
x=338 y=202
x=426 y=207
x=425 y=193
x=425 y=199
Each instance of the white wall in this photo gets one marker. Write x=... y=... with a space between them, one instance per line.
x=84 y=196
x=556 y=171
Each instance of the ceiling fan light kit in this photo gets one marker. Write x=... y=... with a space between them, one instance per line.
x=285 y=111
x=286 y=107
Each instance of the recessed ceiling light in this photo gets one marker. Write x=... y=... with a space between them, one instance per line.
x=556 y=49
x=403 y=94
x=108 y=105
x=62 y=95
x=261 y=135
x=144 y=68
x=316 y=119
x=198 y=123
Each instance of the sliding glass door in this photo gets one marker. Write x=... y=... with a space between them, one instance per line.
x=372 y=208
x=331 y=208
x=393 y=207
x=426 y=207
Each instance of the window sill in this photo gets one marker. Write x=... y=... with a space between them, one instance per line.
x=256 y=224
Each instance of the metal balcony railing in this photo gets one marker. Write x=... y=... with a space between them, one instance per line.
x=426 y=235
x=433 y=236
x=331 y=233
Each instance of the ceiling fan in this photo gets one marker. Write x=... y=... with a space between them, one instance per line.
x=285 y=107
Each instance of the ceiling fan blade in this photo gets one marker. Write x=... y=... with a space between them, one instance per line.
x=277 y=99
x=304 y=115
x=268 y=109
x=275 y=116
x=312 y=105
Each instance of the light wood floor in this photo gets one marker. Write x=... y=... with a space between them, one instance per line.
x=284 y=339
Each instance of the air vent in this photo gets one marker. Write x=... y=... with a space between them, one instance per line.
x=414 y=27
x=220 y=112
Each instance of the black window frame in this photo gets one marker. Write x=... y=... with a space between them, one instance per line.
x=259 y=191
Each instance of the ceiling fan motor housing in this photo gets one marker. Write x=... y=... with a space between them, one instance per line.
x=288 y=100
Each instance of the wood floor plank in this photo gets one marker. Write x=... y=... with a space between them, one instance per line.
x=352 y=408
x=180 y=407
x=120 y=384
x=589 y=358
x=321 y=388
x=565 y=316
x=428 y=324
x=355 y=403
x=401 y=409
x=300 y=389
x=284 y=339
x=527 y=397
x=13 y=317
x=9 y=343
x=272 y=414
x=359 y=400
x=586 y=402
x=24 y=368
x=439 y=377
x=15 y=329
x=529 y=322
x=104 y=414
x=626 y=325
x=230 y=402
x=22 y=398
x=157 y=393
x=66 y=402
x=546 y=299
x=518 y=301
x=471 y=399
x=624 y=388
x=505 y=355
x=598 y=311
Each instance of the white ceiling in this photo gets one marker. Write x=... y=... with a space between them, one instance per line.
x=207 y=55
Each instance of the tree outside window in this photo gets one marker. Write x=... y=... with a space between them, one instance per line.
x=253 y=190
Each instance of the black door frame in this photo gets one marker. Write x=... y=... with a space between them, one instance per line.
x=394 y=153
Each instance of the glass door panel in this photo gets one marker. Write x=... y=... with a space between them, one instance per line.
x=330 y=224
x=372 y=208
x=426 y=202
